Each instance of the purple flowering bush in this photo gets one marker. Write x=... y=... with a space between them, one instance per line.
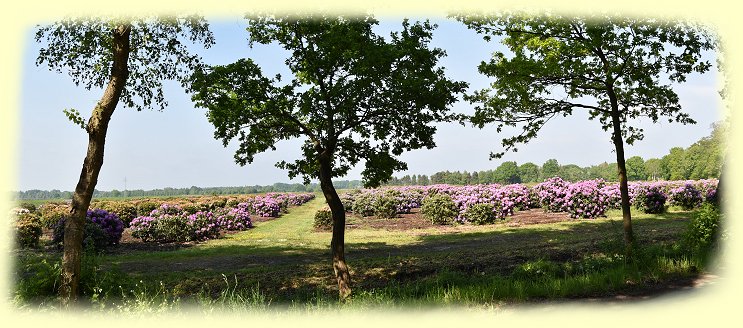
x=102 y=229
x=235 y=219
x=263 y=206
x=688 y=197
x=203 y=226
x=650 y=199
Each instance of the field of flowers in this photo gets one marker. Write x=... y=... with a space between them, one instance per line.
x=170 y=220
x=582 y=200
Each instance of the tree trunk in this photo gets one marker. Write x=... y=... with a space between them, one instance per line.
x=629 y=237
x=337 y=242
x=96 y=128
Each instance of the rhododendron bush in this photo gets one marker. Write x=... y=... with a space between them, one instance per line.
x=198 y=221
x=581 y=200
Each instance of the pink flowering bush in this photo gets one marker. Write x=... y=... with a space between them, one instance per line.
x=553 y=194
x=586 y=199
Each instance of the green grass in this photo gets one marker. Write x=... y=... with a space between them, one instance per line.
x=286 y=263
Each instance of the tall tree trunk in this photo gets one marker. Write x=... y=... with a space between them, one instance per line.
x=96 y=128
x=629 y=237
x=337 y=242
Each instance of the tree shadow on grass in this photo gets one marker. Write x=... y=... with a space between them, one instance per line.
x=291 y=272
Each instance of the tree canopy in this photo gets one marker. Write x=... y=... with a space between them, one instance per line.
x=354 y=96
x=616 y=68
x=158 y=51
x=561 y=64
x=353 y=92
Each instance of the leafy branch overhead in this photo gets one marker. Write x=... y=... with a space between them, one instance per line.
x=354 y=95
x=158 y=51
x=596 y=64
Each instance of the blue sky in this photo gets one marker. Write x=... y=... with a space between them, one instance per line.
x=176 y=148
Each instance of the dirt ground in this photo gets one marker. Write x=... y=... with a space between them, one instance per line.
x=416 y=220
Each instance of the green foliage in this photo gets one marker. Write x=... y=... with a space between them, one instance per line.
x=36 y=279
x=572 y=172
x=51 y=213
x=529 y=172
x=27 y=230
x=385 y=205
x=701 y=160
x=635 y=168
x=704 y=228
x=124 y=210
x=439 y=208
x=613 y=67
x=74 y=116
x=94 y=238
x=82 y=49
x=353 y=95
x=537 y=270
x=146 y=207
x=31 y=207
x=363 y=204
x=507 y=173
x=550 y=168
x=168 y=229
x=323 y=218
x=481 y=213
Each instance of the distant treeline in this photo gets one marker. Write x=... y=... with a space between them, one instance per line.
x=276 y=187
x=702 y=160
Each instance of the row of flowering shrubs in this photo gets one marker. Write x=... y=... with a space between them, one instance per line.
x=481 y=204
x=176 y=223
x=178 y=220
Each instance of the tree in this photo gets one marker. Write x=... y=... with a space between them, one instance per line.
x=550 y=168
x=354 y=96
x=676 y=165
x=129 y=59
x=507 y=172
x=529 y=172
x=652 y=169
x=571 y=172
x=616 y=68
x=636 y=168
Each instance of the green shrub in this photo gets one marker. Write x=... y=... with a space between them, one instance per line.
x=217 y=203
x=232 y=202
x=94 y=237
x=481 y=213
x=144 y=208
x=193 y=207
x=51 y=213
x=124 y=210
x=385 y=205
x=363 y=204
x=29 y=206
x=172 y=229
x=27 y=230
x=439 y=208
x=348 y=199
x=704 y=227
x=323 y=218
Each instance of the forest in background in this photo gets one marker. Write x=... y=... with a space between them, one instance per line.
x=701 y=160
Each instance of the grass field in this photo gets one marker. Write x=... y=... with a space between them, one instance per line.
x=286 y=262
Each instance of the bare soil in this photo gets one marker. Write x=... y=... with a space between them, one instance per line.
x=416 y=220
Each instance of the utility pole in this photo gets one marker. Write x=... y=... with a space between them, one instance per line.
x=125 y=193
